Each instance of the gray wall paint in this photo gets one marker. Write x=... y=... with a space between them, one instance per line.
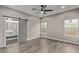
x=55 y=27
x=32 y=26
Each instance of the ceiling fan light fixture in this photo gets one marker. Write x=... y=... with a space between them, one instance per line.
x=42 y=12
x=62 y=7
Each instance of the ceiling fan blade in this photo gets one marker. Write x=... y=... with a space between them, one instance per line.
x=48 y=10
x=42 y=5
x=34 y=9
x=45 y=6
x=44 y=12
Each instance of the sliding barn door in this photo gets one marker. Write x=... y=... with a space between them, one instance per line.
x=2 y=32
x=22 y=31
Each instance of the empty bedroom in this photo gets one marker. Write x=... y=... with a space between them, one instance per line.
x=39 y=28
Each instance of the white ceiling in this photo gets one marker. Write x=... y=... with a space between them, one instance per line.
x=56 y=9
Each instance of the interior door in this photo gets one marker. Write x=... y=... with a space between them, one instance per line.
x=22 y=31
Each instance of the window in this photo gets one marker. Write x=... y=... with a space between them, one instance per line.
x=44 y=26
x=71 y=27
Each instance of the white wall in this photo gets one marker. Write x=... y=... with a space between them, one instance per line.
x=28 y=30
x=33 y=28
x=55 y=27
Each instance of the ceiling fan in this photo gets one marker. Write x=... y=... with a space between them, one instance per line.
x=43 y=9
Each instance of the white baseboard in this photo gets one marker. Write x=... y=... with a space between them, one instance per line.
x=73 y=42
x=33 y=38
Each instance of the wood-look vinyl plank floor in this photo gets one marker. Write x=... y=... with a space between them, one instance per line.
x=41 y=45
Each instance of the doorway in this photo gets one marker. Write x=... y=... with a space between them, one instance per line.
x=11 y=30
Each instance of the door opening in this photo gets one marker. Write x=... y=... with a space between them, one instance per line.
x=11 y=30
